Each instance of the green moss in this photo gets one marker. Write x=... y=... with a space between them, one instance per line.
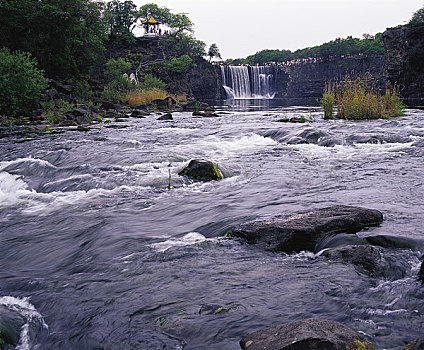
x=217 y=173
x=1 y=343
x=359 y=345
x=220 y=309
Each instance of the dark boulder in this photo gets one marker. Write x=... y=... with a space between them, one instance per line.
x=164 y=104
x=417 y=344
x=202 y=170
x=195 y=106
x=421 y=273
x=205 y=114
x=11 y=323
x=167 y=116
x=141 y=107
x=309 y=334
x=304 y=231
x=372 y=261
x=52 y=94
x=107 y=105
x=139 y=113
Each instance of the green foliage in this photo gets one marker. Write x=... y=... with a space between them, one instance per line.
x=21 y=83
x=357 y=99
x=416 y=40
x=180 y=64
x=120 y=18
x=56 y=113
x=66 y=36
x=150 y=82
x=178 y=23
x=115 y=68
x=369 y=45
x=213 y=52
x=183 y=44
x=83 y=90
x=119 y=83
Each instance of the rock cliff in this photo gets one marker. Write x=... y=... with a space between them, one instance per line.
x=402 y=70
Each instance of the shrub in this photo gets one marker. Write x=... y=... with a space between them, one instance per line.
x=83 y=90
x=115 y=68
x=55 y=113
x=21 y=83
x=180 y=64
x=357 y=99
x=150 y=82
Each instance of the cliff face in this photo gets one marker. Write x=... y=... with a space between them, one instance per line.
x=308 y=80
x=402 y=70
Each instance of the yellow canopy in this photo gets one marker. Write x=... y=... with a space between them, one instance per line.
x=151 y=20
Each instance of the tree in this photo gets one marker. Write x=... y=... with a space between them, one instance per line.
x=66 y=36
x=120 y=18
x=21 y=83
x=178 y=23
x=213 y=52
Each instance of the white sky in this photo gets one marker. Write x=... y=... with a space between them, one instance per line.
x=243 y=27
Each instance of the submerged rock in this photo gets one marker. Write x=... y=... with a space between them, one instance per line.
x=304 y=231
x=316 y=334
x=202 y=170
x=11 y=323
x=205 y=114
x=167 y=116
x=139 y=113
x=370 y=260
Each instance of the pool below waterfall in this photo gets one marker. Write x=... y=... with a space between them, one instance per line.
x=96 y=253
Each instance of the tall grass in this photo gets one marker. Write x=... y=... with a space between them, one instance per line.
x=139 y=97
x=327 y=101
x=356 y=98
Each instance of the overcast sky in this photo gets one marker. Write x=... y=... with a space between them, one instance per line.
x=243 y=27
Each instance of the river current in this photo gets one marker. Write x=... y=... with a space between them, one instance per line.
x=96 y=253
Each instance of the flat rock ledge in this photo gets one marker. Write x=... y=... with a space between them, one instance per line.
x=304 y=231
x=312 y=334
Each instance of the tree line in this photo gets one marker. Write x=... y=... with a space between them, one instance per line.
x=368 y=45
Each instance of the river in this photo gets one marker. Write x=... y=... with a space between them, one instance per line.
x=96 y=253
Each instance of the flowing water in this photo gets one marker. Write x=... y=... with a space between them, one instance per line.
x=96 y=253
x=246 y=82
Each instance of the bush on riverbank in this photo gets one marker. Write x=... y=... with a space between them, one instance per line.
x=22 y=84
x=356 y=99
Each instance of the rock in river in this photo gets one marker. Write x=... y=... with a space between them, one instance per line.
x=202 y=170
x=316 y=334
x=304 y=231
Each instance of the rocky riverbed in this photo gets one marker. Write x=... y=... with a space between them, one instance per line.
x=97 y=252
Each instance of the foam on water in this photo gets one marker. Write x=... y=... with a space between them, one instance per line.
x=27 y=161
x=219 y=147
x=29 y=312
x=188 y=239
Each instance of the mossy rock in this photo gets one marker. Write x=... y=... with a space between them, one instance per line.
x=417 y=344
x=202 y=170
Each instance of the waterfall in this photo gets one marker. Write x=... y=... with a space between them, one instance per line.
x=243 y=82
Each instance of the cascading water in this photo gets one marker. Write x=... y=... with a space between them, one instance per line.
x=243 y=82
